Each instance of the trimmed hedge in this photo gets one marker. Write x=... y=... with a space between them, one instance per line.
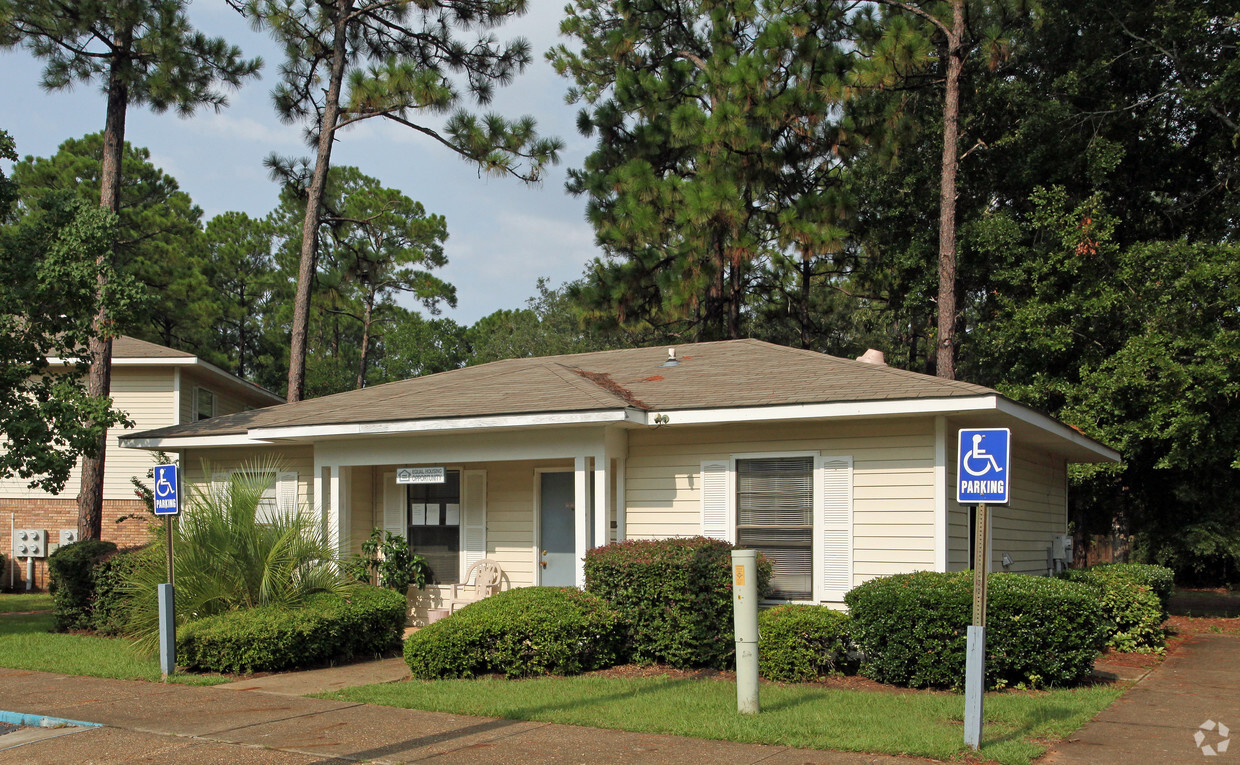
x=72 y=571
x=521 y=632
x=1134 y=599
x=110 y=601
x=364 y=621
x=1039 y=631
x=675 y=596
x=799 y=643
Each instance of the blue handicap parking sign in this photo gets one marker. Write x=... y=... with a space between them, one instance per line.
x=983 y=471
x=166 y=502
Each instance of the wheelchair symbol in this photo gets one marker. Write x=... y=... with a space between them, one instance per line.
x=163 y=487
x=981 y=455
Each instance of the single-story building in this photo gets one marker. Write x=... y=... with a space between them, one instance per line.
x=156 y=386
x=839 y=470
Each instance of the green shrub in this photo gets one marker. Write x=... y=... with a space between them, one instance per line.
x=72 y=571
x=1039 y=631
x=363 y=621
x=228 y=560
x=675 y=596
x=109 y=607
x=521 y=632
x=1134 y=599
x=798 y=643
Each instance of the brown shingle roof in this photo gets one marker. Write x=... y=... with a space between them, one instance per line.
x=125 y=347
x=736 y=373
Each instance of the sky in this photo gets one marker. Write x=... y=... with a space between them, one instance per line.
x=503 y=234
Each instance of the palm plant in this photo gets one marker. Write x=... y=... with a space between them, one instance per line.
x=227 y=557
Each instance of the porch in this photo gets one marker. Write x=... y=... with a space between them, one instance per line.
x=533 y=501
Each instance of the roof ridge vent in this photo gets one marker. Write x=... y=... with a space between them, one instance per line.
x=873 y=356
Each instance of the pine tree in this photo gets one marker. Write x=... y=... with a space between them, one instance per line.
x=144 y=52
x=719 y=148
x=354 y=60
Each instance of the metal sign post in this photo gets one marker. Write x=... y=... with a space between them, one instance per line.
x=983 y=475
x=167 y=503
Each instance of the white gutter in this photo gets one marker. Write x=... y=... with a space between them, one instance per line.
x=188 y=442
x=952 y=405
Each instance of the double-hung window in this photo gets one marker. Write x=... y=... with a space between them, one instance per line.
x=775 y=516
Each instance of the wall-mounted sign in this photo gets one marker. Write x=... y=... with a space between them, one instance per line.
x=420 y=475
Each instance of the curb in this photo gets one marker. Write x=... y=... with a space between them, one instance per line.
x=43 y=721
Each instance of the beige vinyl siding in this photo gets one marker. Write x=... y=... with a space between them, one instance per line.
x=145 y=396
x=1023 y=529
x=365 y=503
x=201 y=464
x=227 y=401
x=1037 y=512
x=893 y=481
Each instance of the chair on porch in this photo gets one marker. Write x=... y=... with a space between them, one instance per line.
x=486 y=575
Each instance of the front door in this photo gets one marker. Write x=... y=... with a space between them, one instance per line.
x=557 y=537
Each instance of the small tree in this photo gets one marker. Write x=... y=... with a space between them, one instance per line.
x=386 y=560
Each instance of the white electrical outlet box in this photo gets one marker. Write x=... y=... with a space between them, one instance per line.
x=29 y=543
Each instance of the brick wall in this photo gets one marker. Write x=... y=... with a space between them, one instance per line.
x=52 y=515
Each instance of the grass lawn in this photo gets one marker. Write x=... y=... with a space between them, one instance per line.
x=19 y=602
x=924 y=724
x=25 y=643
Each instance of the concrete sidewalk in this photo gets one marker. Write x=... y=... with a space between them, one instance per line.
x=153 y=722
x=1157 y=720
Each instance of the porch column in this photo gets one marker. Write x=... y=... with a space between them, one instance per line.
x=339 y=525
x=621 y=519
x=581 y=516
x=602 y=500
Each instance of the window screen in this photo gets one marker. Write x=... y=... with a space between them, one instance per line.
x=774 y=515
x=434 y=514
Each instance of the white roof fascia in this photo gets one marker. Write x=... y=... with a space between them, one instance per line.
x=189 y=442
x=448 y=424
x=955 y=404
x=179 y=361
x=1039 y=420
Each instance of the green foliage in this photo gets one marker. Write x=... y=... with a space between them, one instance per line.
x=72 y=569
x=51 y=262
x=798 y=642
x=520 y=632
x=1134 y=600
x=675 y=596
x=360 y=622
x=227 y=558
x=110 y=603
x=1039 y=631
x=240 y=270
x=387 y=556
x=714 y=181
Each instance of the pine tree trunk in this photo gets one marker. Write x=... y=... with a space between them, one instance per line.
x=361 y=364
x=99 y=378
x=946 y=355
x=314 y=204
x=803 y=309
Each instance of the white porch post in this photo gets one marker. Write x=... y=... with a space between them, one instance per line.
x=581 y=513
x=602 y=499
x=339 y=532
x=621 y=519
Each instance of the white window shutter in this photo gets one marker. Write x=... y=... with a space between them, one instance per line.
x=717 y=499
x=219 y=486
x=473 y=518
x=286 y=493
x=395 y=505
x=833 y=535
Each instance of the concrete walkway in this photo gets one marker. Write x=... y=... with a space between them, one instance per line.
x=166 y=723
x=266 y=720
x=1157 y=720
